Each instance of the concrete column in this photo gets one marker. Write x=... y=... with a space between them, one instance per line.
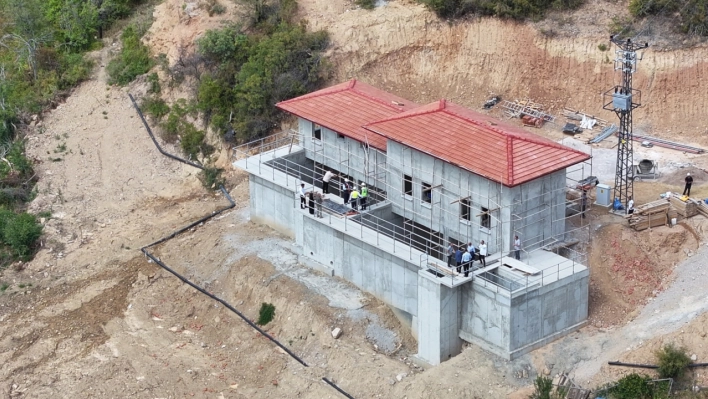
x=438 y=319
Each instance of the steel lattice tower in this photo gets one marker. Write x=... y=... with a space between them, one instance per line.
x=622 y=99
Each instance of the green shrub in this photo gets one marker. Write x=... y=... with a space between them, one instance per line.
x=366 y=4
x=672 y=361
x=133 y=60
x=602 y=47
x=266 y=314
x=154 y=83
x=21 y=233
x=155 y=107
x=544 y=389
x=192 y=139
x=211 y=178
x=514 y=9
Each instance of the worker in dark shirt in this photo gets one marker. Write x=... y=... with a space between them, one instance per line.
x=458 y=259
x=689 y=181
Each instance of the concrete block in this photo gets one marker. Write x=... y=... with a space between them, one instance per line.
x=336 y=333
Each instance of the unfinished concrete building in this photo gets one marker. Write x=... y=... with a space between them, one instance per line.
x=437 y=174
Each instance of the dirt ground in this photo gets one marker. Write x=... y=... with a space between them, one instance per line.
x=90 y=316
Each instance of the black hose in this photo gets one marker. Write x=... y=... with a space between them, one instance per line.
x=226 y=304
x=232 y=204
x=152 y=136
x=639 y=366
x=333 y=385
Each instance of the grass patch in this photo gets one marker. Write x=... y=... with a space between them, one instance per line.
x=4 y=287
x=266 y=314
x=211 y=178
x=133 y=60
x=366 y=4
x=673 y=361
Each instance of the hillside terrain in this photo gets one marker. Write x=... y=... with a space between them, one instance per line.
x=91 y=316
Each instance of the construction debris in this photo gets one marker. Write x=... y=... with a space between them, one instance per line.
x=579 y=116
x=517 y=109
x=492 y=102
x=571 y=128
x=668 y=144
x=605 y=133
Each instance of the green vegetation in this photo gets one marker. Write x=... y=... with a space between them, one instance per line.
x=366 y=4
x=690 y=16
x=246 y=74
x=133 y=60
x=637 y=386
x=514 y=9
x=155 y=107
x=544 y=389
x=42 y=45
x=211 y=178
x=4 y=287
x=602 y=47
x=266 y=314
x=672 y=361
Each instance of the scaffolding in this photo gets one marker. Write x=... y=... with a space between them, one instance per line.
x=428 y=248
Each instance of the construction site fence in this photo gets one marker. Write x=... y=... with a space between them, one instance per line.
x=231 y=205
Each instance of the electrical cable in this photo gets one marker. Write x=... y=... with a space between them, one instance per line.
x=231 y=205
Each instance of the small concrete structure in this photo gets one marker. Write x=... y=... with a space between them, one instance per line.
x=419 y=201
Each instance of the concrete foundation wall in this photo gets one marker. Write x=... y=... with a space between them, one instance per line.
x=548 y=311
x=391 y=279
x=341 y=153
x=438 y=322
x=275 y=206
x=485 y=318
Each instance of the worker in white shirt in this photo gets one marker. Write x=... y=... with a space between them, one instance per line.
x=482 y=253
x=471 y=249
x=630 y=206
x=303 y=200
x=325 y=181
x=517 y=248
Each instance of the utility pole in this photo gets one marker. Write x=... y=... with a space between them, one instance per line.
x=622 y=99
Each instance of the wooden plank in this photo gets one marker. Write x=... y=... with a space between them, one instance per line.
x=519 y=265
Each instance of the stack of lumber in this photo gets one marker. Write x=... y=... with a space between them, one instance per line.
x=686 y=208
x=652 y=214
x=703 y=209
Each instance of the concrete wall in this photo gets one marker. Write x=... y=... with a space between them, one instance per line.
x=391 y=279
x=536 y=210
x=485 y=317
x=544 y=314
x=438 y=320
x=442 y=216
x=342 y=154
x=275 y=206
x=510 y=325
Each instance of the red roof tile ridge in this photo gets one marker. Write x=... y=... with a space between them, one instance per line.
x=421 y=110
x=324 y=92
x=522 y=136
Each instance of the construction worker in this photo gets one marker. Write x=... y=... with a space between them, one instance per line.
x=483 y=253
x=689 y=182
x=630 y=206
x=325 y=181
x=354 y=198
x=346 y=190
x=363 y=196
x=303 y=200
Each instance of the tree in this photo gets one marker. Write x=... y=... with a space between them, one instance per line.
x=29 y=31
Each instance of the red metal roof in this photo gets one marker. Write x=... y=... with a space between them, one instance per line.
x=348 y=106
x=476 y=142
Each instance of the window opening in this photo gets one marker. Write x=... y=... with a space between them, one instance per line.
x=485 y=219
x=407 y=185
x=465 y=211
x=316 y=131
x=427 y=193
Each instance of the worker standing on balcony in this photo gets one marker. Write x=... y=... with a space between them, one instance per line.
x=517 y=248
x=325 y=181
x=354 y=198
x=450 y=255
x=303 y=200
x=364 y=196
x=483 y=253
x=466 y=260
x=346 y=190
x=458 y=258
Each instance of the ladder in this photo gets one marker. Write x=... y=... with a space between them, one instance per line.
x=515 y=109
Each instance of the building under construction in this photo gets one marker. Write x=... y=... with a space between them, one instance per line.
x=436 y=174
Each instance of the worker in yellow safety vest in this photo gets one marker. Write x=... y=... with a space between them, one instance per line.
x=354 y=198
x=364 y=196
